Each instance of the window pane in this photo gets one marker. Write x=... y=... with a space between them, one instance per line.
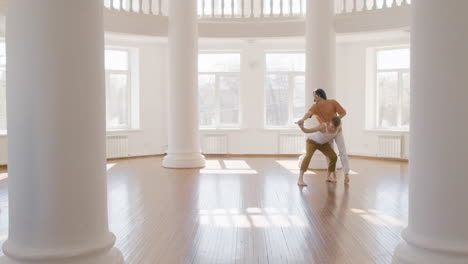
x=116 y=60
x=299 y=97
x=388 y=99
x=229 y=62
x=117 y=103
x=229 y=99
x=228 y=7
x=276 y=100
x=393 y=59
x=219 y=92
x=285 y=62
x=405 y=108
x=207 y=97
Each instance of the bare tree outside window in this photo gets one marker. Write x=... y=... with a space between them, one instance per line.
x=219 y=90
x=284 y=89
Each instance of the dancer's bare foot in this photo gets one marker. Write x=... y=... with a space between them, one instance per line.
x=346 y=179
x=301 y=184
x=331 y=179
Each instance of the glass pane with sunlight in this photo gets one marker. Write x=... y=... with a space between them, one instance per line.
x=276 y=100
x=207 y=99
x=388 y=99
x=393 y=59
x=405 y=107
x=285 y=62
x=116 y=60
x=215 y=62
x=117 y=103
x=299 y=97
x=229 y=99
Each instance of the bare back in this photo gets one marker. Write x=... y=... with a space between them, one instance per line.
x=326 y=110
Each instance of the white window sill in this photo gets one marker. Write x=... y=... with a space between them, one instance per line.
x=108 y=132
x=220 y=129
x=281 y=129
x=387 y=131
x=120 y=131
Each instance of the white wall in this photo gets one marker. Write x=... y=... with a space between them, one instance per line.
x=351 y=89
x=252 y=137
x=151 y=137
x=150 y=60
x=351 y=83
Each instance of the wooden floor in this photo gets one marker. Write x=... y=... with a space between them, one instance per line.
x=250 y=210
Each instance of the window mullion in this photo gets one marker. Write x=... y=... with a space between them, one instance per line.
x=291 y=98
x=400 y=99
x=129 y=100
x=217 y=102
x=377 y=100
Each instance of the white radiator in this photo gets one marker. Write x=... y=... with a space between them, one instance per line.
x=214 y=144
x=291 y=144
x=390 y=146
x=117 y=146
x=3 y=150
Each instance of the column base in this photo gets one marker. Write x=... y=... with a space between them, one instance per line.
x=99 y=252
x=184 y=160
x=113 y=256
x=420 y=250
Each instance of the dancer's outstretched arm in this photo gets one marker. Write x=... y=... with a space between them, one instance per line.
x=311 y=130
x=304 y=118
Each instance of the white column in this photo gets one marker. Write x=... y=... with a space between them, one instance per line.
x=320 y=60
x=320 y=48
x=56 y=132
x=183 y=138
x=438 y=209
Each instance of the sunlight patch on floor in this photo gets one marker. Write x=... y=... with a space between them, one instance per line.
x=110 y=166
x=227 y=167
x=249 y=217
x=292 y=166
x=378 y=218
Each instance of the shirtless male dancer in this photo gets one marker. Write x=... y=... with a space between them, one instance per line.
x=318 y=138
x=325 y=110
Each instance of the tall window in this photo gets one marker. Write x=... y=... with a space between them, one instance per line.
x=3 y=125
x=284 y=89
x=118 y=94
x=219 y=86
x=393 y=88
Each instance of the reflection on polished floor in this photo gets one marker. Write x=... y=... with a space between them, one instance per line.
x=250 y=210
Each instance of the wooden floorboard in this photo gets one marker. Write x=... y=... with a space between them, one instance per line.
x=250 y=210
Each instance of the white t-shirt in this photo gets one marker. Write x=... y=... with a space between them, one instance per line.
x=322 y=138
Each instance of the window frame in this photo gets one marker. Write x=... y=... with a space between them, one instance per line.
x=217 y=124
x=291 y=87
x=400 y=72
x=129 y=98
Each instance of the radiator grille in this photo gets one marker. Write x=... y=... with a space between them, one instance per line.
x=214 y=144
x=390 y=146
x=117 y=147
x=291 y=144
